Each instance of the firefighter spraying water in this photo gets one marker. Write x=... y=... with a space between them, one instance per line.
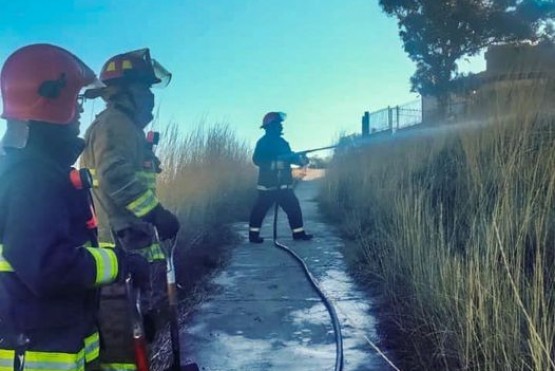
x=273 y=156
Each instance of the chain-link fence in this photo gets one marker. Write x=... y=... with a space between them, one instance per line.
x=393 y=118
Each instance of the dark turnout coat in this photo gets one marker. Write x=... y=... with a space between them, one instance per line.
x=274 y=157
x=49 y=272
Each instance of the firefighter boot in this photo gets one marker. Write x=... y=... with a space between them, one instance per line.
x=302 y=236
x=254 y=237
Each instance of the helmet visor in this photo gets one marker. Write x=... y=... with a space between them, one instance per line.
x=162 y=74
x=92 y=90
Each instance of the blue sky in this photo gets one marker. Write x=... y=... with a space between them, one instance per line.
x=323 y=62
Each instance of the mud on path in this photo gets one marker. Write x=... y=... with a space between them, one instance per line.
x=264 y=315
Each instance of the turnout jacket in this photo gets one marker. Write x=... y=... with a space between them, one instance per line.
x=48 y=277
x=124 y=170
x=274 y=157
x=123 y=166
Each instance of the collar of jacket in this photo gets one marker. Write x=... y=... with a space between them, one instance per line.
x=14 y=158
x=59 y=144
x=123 y=104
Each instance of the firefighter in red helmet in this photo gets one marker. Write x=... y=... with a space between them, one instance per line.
x=124 y=169
x=50 y=264
x=274 y=157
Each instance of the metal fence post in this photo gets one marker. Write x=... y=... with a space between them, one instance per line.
x=366 y=124
x=397 y=114
x=390 y=118
x=387 y=120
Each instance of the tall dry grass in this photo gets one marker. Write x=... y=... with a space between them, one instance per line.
x=208 y=176
x=209 y=181
x=457 y=224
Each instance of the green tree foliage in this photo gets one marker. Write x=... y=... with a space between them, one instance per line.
x=437 y=33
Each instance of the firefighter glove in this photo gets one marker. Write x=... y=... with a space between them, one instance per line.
x=133 y=264
x=165 y=222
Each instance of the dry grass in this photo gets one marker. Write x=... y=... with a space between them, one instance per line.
x=209 y=181
x=208 y=177
x=457 y=225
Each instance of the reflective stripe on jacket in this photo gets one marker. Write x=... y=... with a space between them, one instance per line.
x=41 y=361
x=151 y=253
x=118 y=367
x=48 y=278
x=123 y=167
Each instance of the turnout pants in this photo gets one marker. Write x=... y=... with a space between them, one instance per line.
x=114 y=314
x=286 y=199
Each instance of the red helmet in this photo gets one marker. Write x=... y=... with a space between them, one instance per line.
x=271 y=117
x=134 y=66
x=41 y=82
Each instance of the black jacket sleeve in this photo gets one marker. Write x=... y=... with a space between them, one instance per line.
x=39 y=244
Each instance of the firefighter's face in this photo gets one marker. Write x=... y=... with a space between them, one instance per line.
x=143 y=99
x=275 y=127
x=75 y=122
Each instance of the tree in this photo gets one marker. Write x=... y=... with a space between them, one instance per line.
x=437 y=33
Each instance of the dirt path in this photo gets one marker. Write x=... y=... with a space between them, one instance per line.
x=264 y=315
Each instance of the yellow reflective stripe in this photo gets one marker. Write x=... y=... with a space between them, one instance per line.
x=6 y=360
x=106 y=265
x=152 y=253
x=126 y=65
x=107 y=245
x=111 y=66
x=148 y=178
x=44 y=361
x=144 y=204
x=92 y=347
x=35 y=361
x=94 y=177
x=156 y=252
x=118 y=366
x=4 y=265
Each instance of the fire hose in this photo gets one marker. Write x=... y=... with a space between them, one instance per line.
x=327 y=303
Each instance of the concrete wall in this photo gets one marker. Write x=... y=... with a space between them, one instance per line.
x=514 y=73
